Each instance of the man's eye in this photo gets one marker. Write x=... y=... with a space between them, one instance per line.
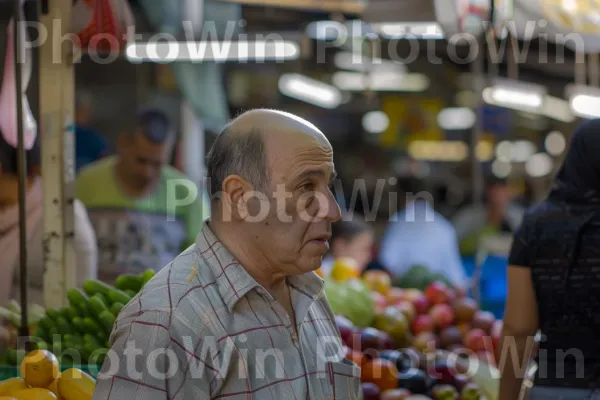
x=307 y=187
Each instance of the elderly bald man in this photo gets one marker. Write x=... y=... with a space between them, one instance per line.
x=241 y=314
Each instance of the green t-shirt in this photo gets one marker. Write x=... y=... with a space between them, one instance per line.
x=136 y=234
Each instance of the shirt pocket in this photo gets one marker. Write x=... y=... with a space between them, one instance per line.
x=344 y=380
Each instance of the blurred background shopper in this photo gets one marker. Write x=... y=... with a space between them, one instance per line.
x=553 y=282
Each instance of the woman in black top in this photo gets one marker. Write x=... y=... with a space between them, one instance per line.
x=554 y=283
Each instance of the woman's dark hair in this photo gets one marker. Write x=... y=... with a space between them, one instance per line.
x=9 y=159
x=349 y=227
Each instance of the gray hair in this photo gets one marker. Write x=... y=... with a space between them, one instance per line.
x=237 y=154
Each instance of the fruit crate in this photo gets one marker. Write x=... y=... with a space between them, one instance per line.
x=9 y=371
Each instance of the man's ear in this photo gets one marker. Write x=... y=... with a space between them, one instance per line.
x=233 y=197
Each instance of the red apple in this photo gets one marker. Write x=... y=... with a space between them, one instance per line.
x=423 y=323
x=438 y=293
x=450 y=336
x=425 y=341
x=464 y=309
x=407 y=309
x=476 y=341
x=395 y=295
x=395 y=394
x=380 y=301
x=370 y=391
x=442 y=315
x=421 y=304
x=483 y=320
x=346 y=329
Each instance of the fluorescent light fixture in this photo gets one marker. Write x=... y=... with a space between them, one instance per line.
x=256 y=50
x=584 y=100
x=451 y=151
x=384 y=81
x=375 y=121
x=406 y=30
x=501 y=169
x=326 y=30
x=309 y=90
x=558 y=109
x=539 y=165
x=362 y=63
x=456 y=118
x=555 y=143
x=516 y=95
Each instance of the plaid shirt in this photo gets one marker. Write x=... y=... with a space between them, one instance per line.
x=203 y=328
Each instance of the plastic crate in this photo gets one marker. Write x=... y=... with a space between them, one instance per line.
x=8 y=371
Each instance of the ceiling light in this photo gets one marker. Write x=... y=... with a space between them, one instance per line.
x=257 y=50
x=359 y=62
x=375 y=121
x=419 y=30
x=584 y=100
x=516 y=95
x=501 y=169
x=555 y=143
x=504 y=151
x=456 y=118
x=451 y=151
x=309 y=90
x=384 y=81
x=539 y=165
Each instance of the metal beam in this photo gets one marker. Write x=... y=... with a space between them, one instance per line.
x=56 y=114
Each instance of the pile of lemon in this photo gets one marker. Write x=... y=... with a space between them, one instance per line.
x=41 y=379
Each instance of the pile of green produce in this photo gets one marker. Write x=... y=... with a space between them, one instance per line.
x=352 y=299
x=79 y=333
x=420 y=277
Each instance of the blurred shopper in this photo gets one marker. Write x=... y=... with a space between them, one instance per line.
x=90 y=146
x=553 y=283
x=499 y=214
x=351 y=237
x=143 y=210
x=248 y=282
x=417 y=235
x=84 y=239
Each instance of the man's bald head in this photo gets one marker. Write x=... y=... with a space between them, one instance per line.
x=241 y=148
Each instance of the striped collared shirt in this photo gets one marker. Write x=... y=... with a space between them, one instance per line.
x=203 y=328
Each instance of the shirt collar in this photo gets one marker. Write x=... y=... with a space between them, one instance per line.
x=232 y=279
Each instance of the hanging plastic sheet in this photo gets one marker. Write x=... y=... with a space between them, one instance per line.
x=8 y=92
x=202 y=84
x=108 y=18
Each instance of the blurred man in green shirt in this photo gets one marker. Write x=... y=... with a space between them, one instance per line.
x=143 y=210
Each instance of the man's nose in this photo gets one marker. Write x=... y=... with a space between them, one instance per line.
x=330 y=210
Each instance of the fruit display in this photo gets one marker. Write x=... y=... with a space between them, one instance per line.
x=419 y=342
x=41 y=379
x=79 y=333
